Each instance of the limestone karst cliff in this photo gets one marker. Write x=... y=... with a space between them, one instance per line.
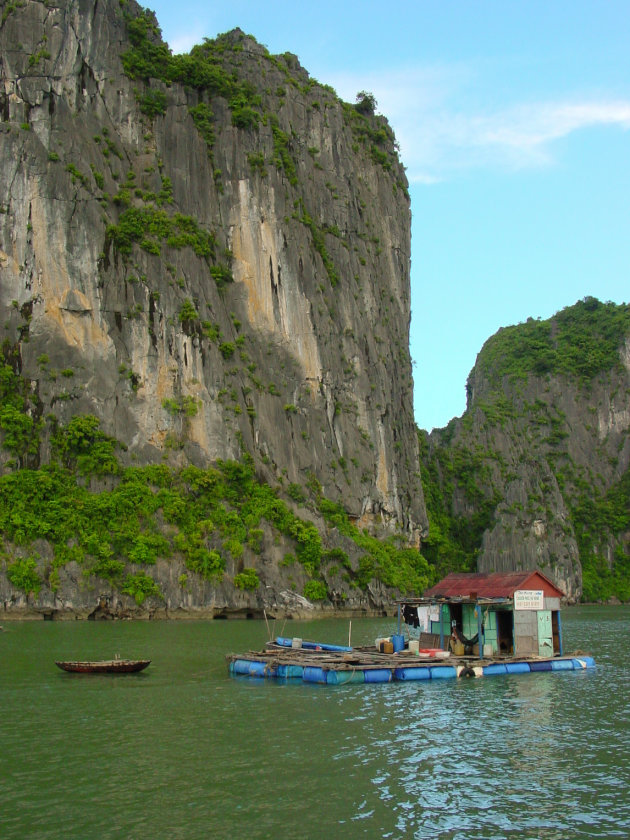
x=206 y=257
x=536 y=472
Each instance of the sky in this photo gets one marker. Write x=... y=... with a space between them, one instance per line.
x=513 y=120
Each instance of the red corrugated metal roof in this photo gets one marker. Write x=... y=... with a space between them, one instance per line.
x=493 y=585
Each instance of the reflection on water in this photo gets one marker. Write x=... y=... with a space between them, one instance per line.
x=183 y=751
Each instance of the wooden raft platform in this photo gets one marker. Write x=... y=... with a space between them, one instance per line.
x=367 y=665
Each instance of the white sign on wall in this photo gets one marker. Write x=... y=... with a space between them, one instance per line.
x=529 y=599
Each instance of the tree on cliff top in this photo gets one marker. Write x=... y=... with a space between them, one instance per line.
x=366 y=103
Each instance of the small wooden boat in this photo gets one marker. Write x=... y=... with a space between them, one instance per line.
x=107 y=666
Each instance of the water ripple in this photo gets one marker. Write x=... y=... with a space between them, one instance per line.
x=522 y=756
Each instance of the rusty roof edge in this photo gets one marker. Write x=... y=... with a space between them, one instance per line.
x=458 y=599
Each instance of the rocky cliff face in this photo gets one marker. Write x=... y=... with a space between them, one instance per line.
x=209 y=253
x=535 y=474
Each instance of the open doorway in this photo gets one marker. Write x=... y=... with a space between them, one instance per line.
x=456 y=617
x=555 y=631
x=505 y=631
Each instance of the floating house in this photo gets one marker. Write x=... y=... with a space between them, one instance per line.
x=467 y=625
x=514 y=614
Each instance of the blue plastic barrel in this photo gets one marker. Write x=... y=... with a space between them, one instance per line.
x=398 y=641
x=378 y=675
x=494 y=669
x=562 y=665
x=289 y=672
x=412 y=673
x=250 y=668
x=345 y=677
x=517 y=668
x=443 y=672
x=314 y=675
x=240 y=666
x=540 y=666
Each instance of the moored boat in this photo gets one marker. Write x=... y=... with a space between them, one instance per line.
x=106 y=666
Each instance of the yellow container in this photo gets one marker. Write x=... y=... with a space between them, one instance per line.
x=458 y=648
x=388 y=647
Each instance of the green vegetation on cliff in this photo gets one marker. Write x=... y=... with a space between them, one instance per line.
x=207 y=70
x=118 y=532
x=601 y=519
x=579 y=342
x=202 y=68
x=454 y=540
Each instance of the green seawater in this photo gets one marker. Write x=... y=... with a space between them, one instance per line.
x=182 y=750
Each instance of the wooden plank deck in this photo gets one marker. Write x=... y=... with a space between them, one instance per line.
x=364 y=658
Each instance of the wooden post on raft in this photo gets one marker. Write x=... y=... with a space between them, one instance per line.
x=267 y=623
x=350 y=633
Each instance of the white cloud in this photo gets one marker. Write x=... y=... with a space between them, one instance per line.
x=529 y=128
x=442 y=129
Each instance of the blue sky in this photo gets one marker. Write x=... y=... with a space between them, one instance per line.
x=513 y=122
